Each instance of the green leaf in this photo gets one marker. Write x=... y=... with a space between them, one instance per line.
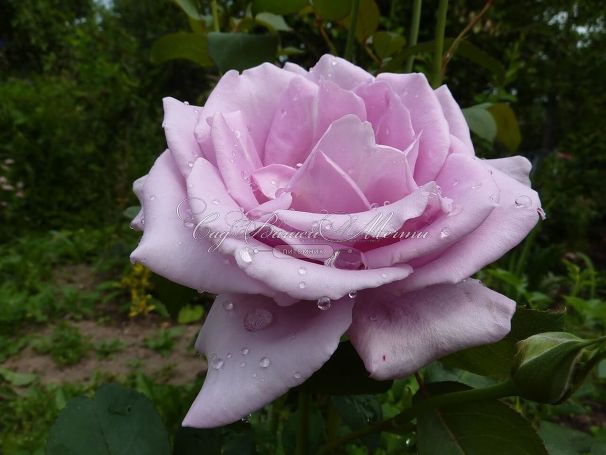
x=316 y=431
x=17 y=379
x=476 y=55
x=495 y=360
x=196 y=441
x=240 y=51
x=117 y=421
x=344 y=374
x=358 y=411
x=386 y=44
x=561 y=440
x=181 y=45
x=131 y=212
x=481 y=122
x=477 y=428
x=190 y=313
x=332 y=10
x=368 y=20
x=278 y=6
x=189 y=7
x=272 y=22
x=508 y=131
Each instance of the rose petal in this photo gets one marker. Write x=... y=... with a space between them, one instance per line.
x=395 y=125
x=272 y=177
x=334 y=103
x=454 y=116
x=168 y=247
x=180 y=119
x=395 y=336
x=427 y=117
x=138 y=221
x=507 y=225
x=469 y=184
x=516 y=167
x=256 y=93
x=291 y=134
x=252 y=365
x=347 y=75
x=236 y=156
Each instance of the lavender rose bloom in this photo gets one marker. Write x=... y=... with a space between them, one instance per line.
x=327 y=203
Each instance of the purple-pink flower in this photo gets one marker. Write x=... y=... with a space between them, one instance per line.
x=328 y=203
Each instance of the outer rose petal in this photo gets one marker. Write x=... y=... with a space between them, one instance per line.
x=179 y=122
x=251 y=368
x=395 y=336
x=517 y=167
x=427 y=116
x=255 y=92
x=138 y=221
x=168 y=247
x=456 y=122
x=345 y=74
x=507 y=225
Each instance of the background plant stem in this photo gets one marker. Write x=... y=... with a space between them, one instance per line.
x=413 y=36
x=215 y=11
x=436 y=74
x=351 y=34
x=302 y=447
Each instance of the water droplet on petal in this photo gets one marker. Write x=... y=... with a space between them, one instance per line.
x=216 y=201
x=456 y=209
x=352 y=294
x=186 y=103
x=245 y=256
x=384 y=275
x=228 y=305
x=302 y=285
x=373 y=317
x=264 y=362
x=217 y=363
x=302 y=271
x=244 y=351
x=523 y=202
x=238 y=134
x=347 y=259
x=188 y=224
x=258 y=319
x=299 y=164
x=324 y=303
x=228 y=355
x=455 y=182
x=242 y=364
x=476 y=186
x=374 y=205
x=445 y=232
x=152 y=197
x=334 y=62
x=190 y=164
x=297 y=375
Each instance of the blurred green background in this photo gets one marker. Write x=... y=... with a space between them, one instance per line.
x=80 y=119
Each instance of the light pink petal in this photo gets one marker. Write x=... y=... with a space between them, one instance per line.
x=272 y=177
x=395 y=336
x=265 y=211
x=249 y=368
x=321 y=185
x=297 y=69
x=427 y=117
x=335 y=102
x=395 y=125
x=180 y=120
x=236 y=156
x=517 y=167
x=291 y=133
x=507 y=225
x=281 y=273
x=138 y=221
x=454 y=116
x=256 y=92
x=168 y=247
x=376 y=97
x=345 y=74
x=469 y=184
x=379 y=222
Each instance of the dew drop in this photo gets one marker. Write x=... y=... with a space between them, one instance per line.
x=456 y=209
x=374 y=205
x=242 y=364
x=455 y=182
x=523 y=202
x=190 y=164
x=302 y=271
x=244 y=351
x=228 y=355
x=386 y=203
x=302 y=285
x=186 y=103
x=476 y=186
x=373 y=317
x=216 y=201
x=152 y=197
x=324 y=303
x=238 y=134
x=347 y=259
x=188 y=224
x=352 y=294
x=217 y=363
x=297 y=375
x=384 y=275
x=445 y=232
x=299 y=164
x=228 y=305
x=334 y=62
x=245 y=256
x=264 y=362
x=258 y=319
x=255 y=250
